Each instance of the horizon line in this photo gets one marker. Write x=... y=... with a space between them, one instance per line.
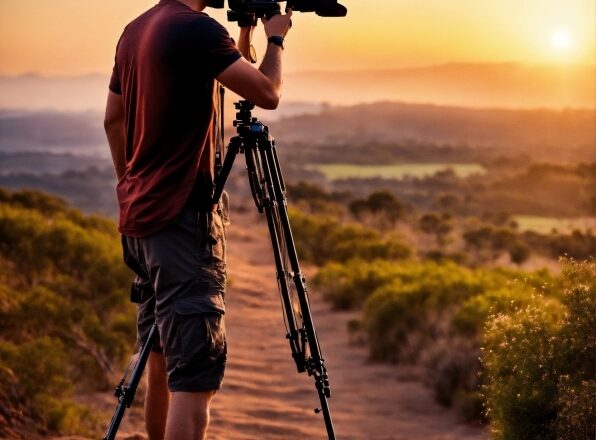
x=45 y=75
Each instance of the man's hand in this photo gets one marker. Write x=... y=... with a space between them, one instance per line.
x=263 y=86
x=278 y=25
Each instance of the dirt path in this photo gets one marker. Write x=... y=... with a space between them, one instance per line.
x=264 y=398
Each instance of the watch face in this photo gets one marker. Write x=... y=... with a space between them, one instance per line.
x=252 y=54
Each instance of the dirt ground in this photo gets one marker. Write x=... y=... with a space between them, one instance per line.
x=264 y=398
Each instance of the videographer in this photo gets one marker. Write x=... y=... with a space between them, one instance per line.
x=160 y=126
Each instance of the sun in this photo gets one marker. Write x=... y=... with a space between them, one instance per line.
x=561 y=40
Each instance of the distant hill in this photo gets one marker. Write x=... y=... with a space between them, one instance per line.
x=509 y=85
x=58 y=132
x=554 y=134
x=503 y=85
x=540 y=130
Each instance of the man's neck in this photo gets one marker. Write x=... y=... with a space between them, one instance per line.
x=196 y=5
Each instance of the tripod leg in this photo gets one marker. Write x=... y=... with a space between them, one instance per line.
x=270 y=156
x=268 y=191
x=263 y=203
x=127 y=393
x=275 y=188
x=222 y=177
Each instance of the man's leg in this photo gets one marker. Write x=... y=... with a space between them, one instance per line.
x=157 y=398
x=188 y=417
x=187 y=272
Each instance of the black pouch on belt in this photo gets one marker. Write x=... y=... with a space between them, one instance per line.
x=140 y=291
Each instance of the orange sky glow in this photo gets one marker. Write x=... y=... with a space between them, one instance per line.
x=68 y=37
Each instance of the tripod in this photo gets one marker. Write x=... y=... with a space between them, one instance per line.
x=268 y=190
x=269 y=194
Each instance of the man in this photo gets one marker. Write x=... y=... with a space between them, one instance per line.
x=159 y=122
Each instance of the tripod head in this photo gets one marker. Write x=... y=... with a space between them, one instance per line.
x=244 y=115
x=246 y=125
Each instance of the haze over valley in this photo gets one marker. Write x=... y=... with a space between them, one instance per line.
x=495 y=85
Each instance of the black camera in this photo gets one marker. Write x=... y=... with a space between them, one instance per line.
x=240 y=9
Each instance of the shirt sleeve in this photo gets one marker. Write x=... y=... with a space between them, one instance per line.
x=115 y=81
x=215 y=43
x=115 y=85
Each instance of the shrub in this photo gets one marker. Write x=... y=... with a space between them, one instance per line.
x=520 y=390
x=438 y=225
x=475 y=311
x=519 y=252
x=46 y=358
x=348 y=285
x=420 y=297
x=381 y=203
x=539 y=363
x=323 y=239
x=65 y=314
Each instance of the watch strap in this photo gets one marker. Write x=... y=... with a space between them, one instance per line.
x=277 y=40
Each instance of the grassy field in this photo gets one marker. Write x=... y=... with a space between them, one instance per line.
x=546 y=225
x=396 y=171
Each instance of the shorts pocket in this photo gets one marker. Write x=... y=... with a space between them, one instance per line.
x=212 y=238
x=200 y=336
x=216 y=333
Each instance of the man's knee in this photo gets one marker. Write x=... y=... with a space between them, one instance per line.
x=195 y=402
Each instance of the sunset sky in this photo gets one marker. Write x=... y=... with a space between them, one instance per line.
x=74 y=37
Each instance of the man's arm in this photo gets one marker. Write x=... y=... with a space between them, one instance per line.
x=116 y=132
x=262 y=86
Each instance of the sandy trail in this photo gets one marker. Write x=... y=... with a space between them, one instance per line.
x=264 y=398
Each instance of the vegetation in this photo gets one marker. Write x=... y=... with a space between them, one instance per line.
x=381 y=204
x=398 y=171
x=89 y=188
x=540 y=362
x=324 y=239
x=444 y=232
x=429 y=313
x=65 y=316
x=570 y=190
x=430 y=262
x=437 y=313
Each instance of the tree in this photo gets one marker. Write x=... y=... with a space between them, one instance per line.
x=438 y=225
x=379 y=203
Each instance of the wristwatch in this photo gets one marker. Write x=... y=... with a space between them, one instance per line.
x=277 y=40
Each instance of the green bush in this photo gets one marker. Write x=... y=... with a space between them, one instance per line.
x=323 y=239
x=420 y=299
x=576 y=416
x=382 y=204
x=475 y=311
x=521 y=381
x=348 y=285
x=65 y=314
x=39 y=368
x=539 y=364
x=431 y=313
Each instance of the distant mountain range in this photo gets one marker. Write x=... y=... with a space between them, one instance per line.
x=544 y=134
x=504 y=85
x=52 y=131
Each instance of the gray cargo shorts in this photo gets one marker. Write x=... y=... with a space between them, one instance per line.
x=180 y=284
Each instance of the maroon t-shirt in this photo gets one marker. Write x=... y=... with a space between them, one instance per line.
x=166 y=63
